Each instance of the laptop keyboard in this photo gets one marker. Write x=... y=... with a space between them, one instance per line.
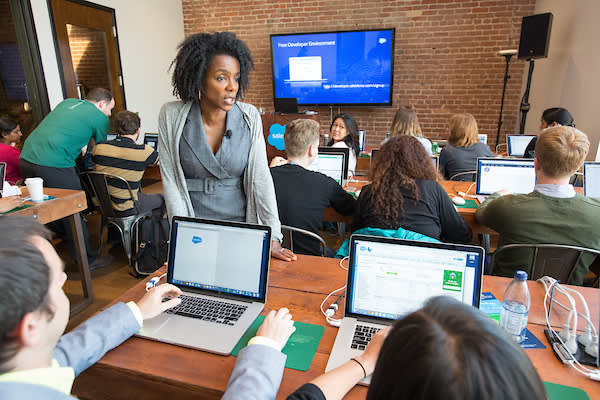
x=208 y=310
x=362 y=336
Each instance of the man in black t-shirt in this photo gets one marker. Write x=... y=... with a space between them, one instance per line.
x=303 y=195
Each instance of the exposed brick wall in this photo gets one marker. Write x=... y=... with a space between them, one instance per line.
x=88 y=52
x=445 y=53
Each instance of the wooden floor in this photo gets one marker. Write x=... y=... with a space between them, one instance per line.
x=108 y=283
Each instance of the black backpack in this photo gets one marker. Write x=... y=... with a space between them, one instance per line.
x=151 y=245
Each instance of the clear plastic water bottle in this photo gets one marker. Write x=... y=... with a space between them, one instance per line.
x=515 y=307
x=326 y=139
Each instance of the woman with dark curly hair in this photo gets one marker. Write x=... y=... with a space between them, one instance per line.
x=404 y=194
x=344 y=133
x=213 y=160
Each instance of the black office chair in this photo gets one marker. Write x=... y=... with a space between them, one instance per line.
x=469 y=176
x=125 y=224
x=288 y=237
x=555 y=260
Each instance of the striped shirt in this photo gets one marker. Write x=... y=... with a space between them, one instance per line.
x=124 y=158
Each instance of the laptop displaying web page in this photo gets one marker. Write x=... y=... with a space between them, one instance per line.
x=591 y=179
x=514 y=174
x=390 y=280
x=331 y=165
x=517 y=144
x=483 y=137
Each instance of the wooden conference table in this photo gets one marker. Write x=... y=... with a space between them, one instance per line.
x=68 y=203
x=141 y=368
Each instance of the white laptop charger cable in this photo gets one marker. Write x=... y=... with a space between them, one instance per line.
x=566 y=338
x=337 y=322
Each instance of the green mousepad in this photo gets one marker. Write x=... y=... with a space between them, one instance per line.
x=24 y=206
x=300 y=348
x=469 y=203
x=562 y=392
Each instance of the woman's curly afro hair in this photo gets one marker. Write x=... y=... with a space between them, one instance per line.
x=194 y=56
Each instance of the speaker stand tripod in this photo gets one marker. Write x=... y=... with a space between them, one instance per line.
x=525 y=106
x=506 y=78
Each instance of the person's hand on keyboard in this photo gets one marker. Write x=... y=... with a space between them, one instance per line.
x=152 y=303
x=278 y=326
x=368 y=358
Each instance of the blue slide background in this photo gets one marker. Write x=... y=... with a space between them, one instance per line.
x=357 y=58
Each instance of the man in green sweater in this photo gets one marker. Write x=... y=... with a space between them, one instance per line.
x=553 y=213
x=51 y=149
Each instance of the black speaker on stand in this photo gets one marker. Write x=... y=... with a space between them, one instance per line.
x=535 y=38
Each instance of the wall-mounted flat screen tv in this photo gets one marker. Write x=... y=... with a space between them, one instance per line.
x=350 y=68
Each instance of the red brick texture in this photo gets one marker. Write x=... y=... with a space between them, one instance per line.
x=446 y=57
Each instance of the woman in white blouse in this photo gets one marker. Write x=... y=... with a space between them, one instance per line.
x=344 y=133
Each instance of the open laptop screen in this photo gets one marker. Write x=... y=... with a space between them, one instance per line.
x=514 y=174
x=219 y=256
x=517 y=144
x=332 y=162
x=483 y=137
x=389 y=278
x=591 y=179
x=151 y=139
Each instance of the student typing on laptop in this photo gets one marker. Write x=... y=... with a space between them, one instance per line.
x=553 y=213
x=303 y=195
x=37 y=362
x=445 y=350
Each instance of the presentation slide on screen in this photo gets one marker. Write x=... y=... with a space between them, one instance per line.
x=223 y=257
x=334 y=68
x=392 y=280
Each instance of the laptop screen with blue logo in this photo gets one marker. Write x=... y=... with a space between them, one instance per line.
x=389 y=278
x=219 y=256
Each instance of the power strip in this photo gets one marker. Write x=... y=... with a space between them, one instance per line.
x=563 y=355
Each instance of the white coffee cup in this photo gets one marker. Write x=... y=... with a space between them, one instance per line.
x=36 y=188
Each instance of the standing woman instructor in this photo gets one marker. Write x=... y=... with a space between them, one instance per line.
x=213 y=160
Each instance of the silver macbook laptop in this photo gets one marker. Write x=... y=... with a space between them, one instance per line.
x=514 y=174
x=591 y=179
x=390 y=278
x=333 y=162
x=222 y=269
x=517 y=144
